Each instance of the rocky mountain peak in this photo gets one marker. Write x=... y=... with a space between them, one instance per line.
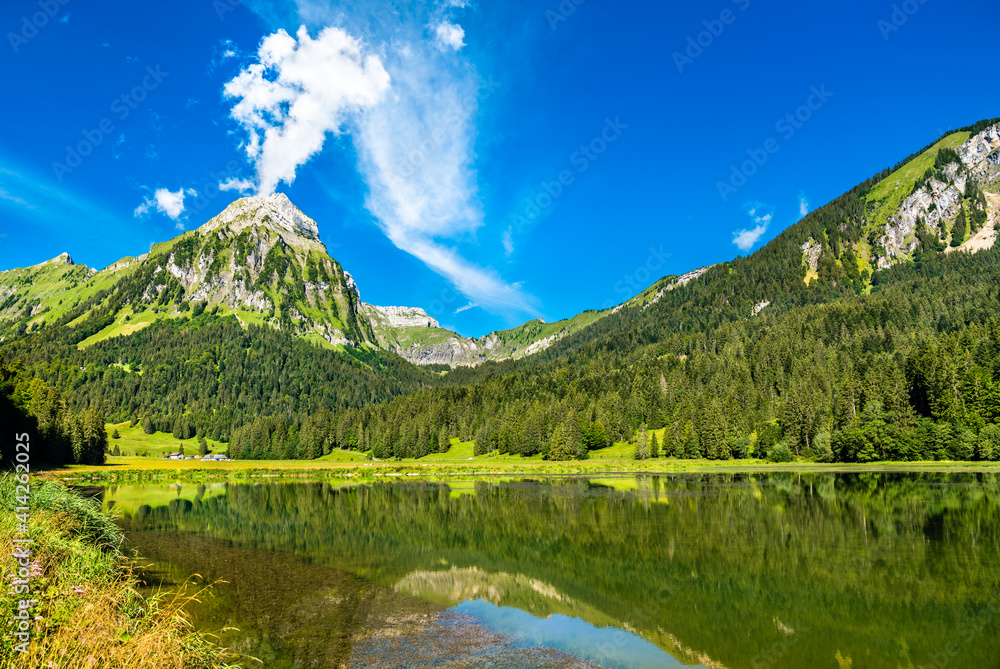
x=401 y=317
x=271 y=211
x=61 y=259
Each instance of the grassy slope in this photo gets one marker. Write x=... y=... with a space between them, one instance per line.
x=512 y=342
x=885 y=199
x=60 y=287
x=134 y=441
x=422 y=336
x=459 y=461
x=121 y=327
x=523 y=336
x=86 y=610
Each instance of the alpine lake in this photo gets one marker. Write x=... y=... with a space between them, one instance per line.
x=880 y=570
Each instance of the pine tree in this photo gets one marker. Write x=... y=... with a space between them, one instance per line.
x=561 y=448
x=147 y=425
x=202 y=447
x=115 y=434
x=958 y=232
x=443 y=443
x=598 y=435
x=642 y=444
x=573 y=435
x=654 y=446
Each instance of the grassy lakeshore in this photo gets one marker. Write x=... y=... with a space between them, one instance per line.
x=458 y=461
x=81 y=597
x=142 y=469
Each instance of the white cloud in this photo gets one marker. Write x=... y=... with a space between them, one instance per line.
x=241 y=185
x=416 y=151
x=301 y=89
x=415 y=146
x=168 y=203
x=470 y=305
x=450 y=35
x=803 y=205
x=745 y=239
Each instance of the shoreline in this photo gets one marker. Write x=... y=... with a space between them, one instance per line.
x=137 y=470
x=77 y=592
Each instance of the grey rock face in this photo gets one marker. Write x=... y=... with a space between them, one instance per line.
x=981 y=155
x=938 y=203
x=811 y=252
x=274 y=211
x=408 y=317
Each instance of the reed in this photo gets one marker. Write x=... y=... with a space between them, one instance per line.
x=87 y=609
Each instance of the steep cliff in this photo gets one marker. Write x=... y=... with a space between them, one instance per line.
x=954 y=181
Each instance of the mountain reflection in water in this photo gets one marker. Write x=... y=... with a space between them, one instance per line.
x=720 y=571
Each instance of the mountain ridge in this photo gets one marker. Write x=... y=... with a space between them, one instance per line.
x=805 y=343
x=262 y=260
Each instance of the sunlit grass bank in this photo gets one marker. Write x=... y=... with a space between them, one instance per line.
x=141 y=470
x=86 y=610
x=459 y=460
x=132 y=441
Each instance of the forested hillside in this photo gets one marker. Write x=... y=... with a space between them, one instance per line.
x=855 y=335
x=845 y=362
x=40 y=417
x=206 y=374
x=911 y=371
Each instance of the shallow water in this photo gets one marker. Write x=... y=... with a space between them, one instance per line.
x=779 y=570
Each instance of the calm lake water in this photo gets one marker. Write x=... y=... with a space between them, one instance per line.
x=722 y=571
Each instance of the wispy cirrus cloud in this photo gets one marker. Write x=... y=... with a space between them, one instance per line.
x=803 y=204
x=10 y=197
x=414 y=130
x=44 y=207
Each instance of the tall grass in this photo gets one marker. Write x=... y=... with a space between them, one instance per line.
x=87 y=609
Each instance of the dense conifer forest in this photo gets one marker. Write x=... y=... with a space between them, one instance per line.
x=763 y=356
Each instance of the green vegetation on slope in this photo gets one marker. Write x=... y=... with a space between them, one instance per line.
x=211 y=372
x=846 y=367
x=84 y=606
x=885 y=198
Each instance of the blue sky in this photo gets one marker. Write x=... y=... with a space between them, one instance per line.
x=488 y=162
